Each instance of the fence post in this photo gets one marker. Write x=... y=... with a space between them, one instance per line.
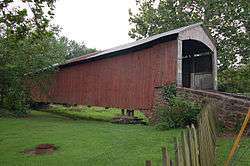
x=165 y=157
x=178 y=153
x=237 y=140
x=186 y=150
x=206 y=136
x=148 y=163
x=196 y=146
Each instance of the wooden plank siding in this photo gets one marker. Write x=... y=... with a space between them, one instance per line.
x=123 y=81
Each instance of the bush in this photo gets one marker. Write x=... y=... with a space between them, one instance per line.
x=19 y=72
x=13 y=104
x=178 y=113
x=168 y=92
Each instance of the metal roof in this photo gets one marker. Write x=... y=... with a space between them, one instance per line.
x=130 y=45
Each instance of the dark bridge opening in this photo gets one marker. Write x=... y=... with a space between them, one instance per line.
x=197 y=66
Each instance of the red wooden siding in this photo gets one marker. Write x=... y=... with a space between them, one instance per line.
x=125 y=81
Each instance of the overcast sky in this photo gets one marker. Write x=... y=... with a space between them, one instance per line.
x=101 y=24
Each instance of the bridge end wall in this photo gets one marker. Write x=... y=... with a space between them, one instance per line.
x=231 y=110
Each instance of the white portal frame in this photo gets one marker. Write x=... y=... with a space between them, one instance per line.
x=198 y=33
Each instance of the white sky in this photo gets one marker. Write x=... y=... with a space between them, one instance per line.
x=100 y=24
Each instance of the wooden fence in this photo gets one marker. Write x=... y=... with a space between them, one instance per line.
x=196 y=147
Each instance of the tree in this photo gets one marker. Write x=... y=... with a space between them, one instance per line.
x=236 y=80
x=227 y=21
x=75 y=49
x=27 y=46
x=23 y=18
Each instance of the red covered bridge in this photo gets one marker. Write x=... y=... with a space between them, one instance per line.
x=126 y=76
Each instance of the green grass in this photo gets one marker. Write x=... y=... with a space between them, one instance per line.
x=246 y=94
x=90 y=143
x=242 y=156
x=90 y=113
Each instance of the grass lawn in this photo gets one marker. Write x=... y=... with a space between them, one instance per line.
x=90 y=113
x=242 y=156
x=82 y=143
x=89 y=143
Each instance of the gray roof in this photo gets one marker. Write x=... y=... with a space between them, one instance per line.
x=133 y=44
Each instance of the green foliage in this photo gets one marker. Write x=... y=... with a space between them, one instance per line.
x=235 y=80
x=75 y=49
x=178 y=112
x=26 y=17
x=27 y=46
x=227 y=21
x=20 y=60
x=29 y=51
x=220 y=126
x=13 y=103
x=168 y=92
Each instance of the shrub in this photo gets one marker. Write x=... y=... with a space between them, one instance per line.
x=168 y=92
x=13 y=104
x=179 y=112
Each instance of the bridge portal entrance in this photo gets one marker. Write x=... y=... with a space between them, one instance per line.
x=197 y=65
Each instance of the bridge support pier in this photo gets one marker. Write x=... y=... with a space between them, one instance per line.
x=123 y=111
x=130 y=113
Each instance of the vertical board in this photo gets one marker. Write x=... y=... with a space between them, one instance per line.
x=124 y=81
